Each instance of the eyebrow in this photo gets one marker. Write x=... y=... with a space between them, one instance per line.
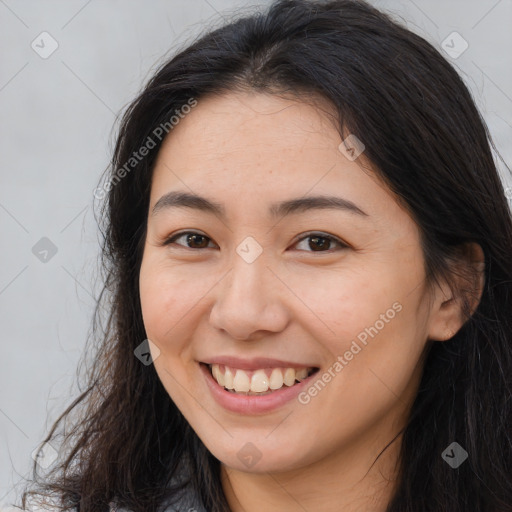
x=177 y=199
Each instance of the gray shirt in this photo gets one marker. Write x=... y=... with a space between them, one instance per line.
x=188 y=502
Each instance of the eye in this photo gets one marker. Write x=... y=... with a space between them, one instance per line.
x=320 y=242
x=197 y=240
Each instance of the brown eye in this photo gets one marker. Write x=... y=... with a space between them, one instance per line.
x=192 y=240
x=197 y=241
x=319 y=242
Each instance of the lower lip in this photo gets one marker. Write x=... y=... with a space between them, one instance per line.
x=252 y=404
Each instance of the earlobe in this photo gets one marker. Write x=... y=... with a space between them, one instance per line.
x=452 y=308
x=449 y=334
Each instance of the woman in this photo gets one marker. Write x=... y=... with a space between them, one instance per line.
x=307 y=253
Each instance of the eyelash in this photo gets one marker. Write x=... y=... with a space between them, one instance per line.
x=311 y=234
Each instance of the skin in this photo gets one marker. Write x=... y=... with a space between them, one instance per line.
x=246 y=151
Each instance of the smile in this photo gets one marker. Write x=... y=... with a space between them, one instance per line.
x=278 y=385
x=258 y=382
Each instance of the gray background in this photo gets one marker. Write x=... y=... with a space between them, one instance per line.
x=56 y=125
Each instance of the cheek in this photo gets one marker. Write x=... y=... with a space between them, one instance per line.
x=173 y=300
x=368 y=381
x=376 y=330
x=165 y=298
x=338 y=306
x=166 y=302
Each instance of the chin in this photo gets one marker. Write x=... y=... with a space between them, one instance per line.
x=259 y=456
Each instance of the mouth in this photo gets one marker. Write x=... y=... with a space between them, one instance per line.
x=259 y=382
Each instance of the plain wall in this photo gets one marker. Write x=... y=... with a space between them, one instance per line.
x=57 y=115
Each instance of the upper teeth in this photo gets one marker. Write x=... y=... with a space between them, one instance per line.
x=257 y=381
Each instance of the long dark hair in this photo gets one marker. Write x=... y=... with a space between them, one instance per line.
x=429 y=144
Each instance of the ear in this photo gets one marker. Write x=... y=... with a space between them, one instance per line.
x=451 y=308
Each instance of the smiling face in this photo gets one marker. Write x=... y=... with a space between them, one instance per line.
x=249 y=283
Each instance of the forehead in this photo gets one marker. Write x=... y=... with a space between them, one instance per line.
x=248 y=148
x=261 y=134
x=252 y=126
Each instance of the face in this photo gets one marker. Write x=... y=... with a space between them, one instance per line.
x=269 y=282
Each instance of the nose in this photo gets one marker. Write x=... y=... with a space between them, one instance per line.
x=249 y=301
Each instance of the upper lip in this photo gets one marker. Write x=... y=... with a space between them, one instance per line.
x=255 y=363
